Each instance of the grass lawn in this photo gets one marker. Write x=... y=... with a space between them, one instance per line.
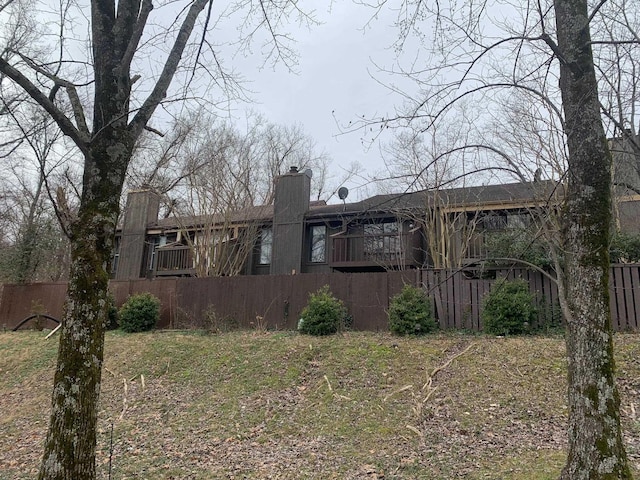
x=278 y=405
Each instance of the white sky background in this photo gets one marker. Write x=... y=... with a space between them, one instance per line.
x=336 y=82
x=338 y=79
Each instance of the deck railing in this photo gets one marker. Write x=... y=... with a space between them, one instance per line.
x=374 y=249
x=174 y=261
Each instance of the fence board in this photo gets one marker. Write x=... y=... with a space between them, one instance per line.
x=369 y=299
x=20 y=301
x=613 y=304
x=471 y=311
x=628 y=298
x=617 y=298
x=632 y=319
x=279 y=299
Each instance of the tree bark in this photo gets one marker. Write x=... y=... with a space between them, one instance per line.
x=596 y=450
x=70 y=445
x=71 y=439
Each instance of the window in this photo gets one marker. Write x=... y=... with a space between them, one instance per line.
x=266 y=244
x=502 y=221
x=382 y=241
x=518 y=220
x=154 y=243
x=116 y=256
x=381 y=228
x=318 y=244
x=494 y=221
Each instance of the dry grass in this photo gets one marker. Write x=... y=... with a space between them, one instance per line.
x=283 y=406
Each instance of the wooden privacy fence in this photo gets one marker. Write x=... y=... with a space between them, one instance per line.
x=279 y=299
x=458 y=295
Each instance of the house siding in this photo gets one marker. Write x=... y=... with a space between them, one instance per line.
x=290 y=206
x=349 y=248
x=142 y=209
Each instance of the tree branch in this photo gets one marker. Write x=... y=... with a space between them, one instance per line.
x=514 y=261
x=160 y=90
x=596 y=10
x=67 y=127
x=145 y=10
x=72 y=93
x=553 y=46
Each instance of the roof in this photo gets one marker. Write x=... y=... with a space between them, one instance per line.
x=462 y=198
x=249 y=214
x=258 y=213
x=489 y=196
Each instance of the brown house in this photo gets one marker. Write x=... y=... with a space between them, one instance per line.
x=441 y=228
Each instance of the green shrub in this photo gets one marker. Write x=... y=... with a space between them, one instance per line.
x=112 y=321
x=410 y=313
x=323 y=315
x=139 y=313
x=518 y=243
x=508 y=309
x=624 y=248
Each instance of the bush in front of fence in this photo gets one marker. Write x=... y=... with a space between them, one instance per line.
x=112 y=321
x=323 y=315
x=410 y=312
x=508 y=309
x=624 y=248
x=139 y=313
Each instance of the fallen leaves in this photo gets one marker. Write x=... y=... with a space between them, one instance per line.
x=241 y=406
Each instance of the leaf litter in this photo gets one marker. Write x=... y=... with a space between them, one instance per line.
x=181 y=405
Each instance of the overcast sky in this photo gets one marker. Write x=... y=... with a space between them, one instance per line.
x=333 y=86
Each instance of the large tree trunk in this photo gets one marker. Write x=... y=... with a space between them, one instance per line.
x=71 y=439
x=596 y=450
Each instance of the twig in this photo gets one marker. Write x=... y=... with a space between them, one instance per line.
x=400 y=390
x=506 y=369
x=428 y=386
x=445 y=365
x=341 y=397
x=328 y=383
x=416 y=431
x=124 y=400
x=52 y=332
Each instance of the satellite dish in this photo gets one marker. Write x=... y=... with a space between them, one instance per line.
x=343 y=192
x=309 y=173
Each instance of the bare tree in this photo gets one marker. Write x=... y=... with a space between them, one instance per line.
x=595 y=438
x=109 y=85
x=219 y=180
x=544 y=49
x=218 y=187
x=415 y=164
x=38 y=244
